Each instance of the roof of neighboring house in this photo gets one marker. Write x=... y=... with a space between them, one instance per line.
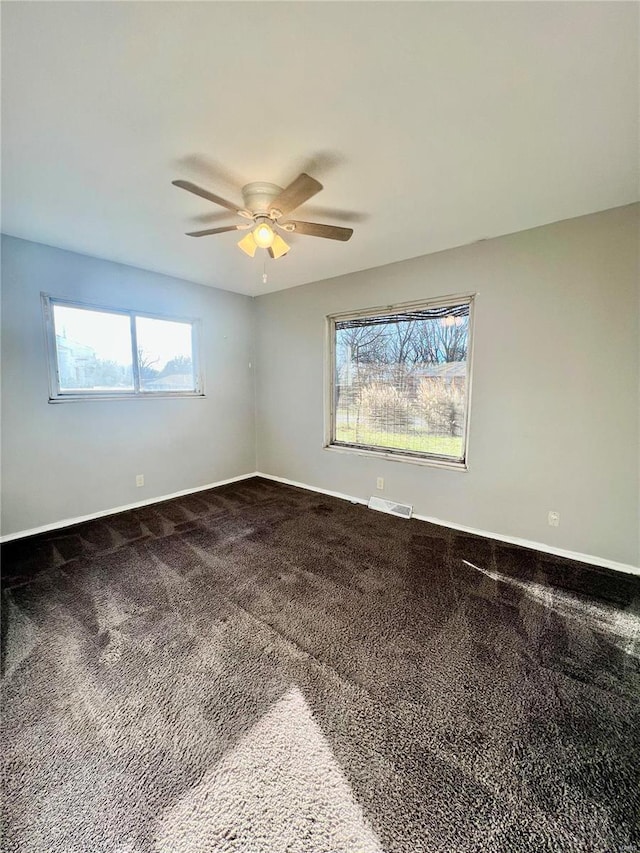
x=447 y=370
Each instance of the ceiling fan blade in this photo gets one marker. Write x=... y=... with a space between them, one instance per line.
x=216 y=199
x=214 y=231
x=316 y=211
x=314 y=229
x=294 y=195
x=218 y=216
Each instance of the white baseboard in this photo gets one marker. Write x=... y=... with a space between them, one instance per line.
x=501 y=537
x=340 y=495
x=67 y=522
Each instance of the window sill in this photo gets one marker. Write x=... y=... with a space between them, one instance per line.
x=83 y=398
x=392 y=456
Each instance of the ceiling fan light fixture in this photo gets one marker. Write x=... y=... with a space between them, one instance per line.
x=248 y=244
x=278 y=248
x=263 y=235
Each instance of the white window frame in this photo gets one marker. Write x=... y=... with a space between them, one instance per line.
x=394 y=454
x=137 y=392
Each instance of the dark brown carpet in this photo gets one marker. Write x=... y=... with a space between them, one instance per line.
x=262 y=669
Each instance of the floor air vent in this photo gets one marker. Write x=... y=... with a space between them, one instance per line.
x=402 y=510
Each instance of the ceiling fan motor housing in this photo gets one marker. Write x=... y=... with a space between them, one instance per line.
x=258 y=196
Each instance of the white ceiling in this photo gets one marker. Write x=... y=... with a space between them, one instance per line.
x=430 y=125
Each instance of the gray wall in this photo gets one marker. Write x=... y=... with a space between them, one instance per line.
x=556 y=325
x=554 y=416
x=71 y=459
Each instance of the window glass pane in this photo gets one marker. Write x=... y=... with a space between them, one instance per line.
x=401 y=381
x=93 y=350
x=165 y=355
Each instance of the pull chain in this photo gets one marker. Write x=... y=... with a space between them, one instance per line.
x=264 y=271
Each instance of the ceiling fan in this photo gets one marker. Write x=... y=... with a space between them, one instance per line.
x=266 y=206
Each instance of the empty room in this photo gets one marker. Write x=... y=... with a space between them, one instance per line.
x=320 y=403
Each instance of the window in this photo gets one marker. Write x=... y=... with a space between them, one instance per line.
x=400 y=381
x=103 y=352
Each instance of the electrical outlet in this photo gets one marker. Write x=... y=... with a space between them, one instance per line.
x=139 y=480
x=380 y=483
x=554 y=518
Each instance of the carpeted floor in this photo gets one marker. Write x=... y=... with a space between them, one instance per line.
x=263 y=669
